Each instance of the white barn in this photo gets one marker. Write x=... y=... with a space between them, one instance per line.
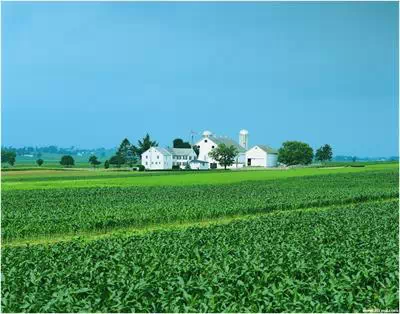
x=261 y=156
x=157 y=158
x=209 y=142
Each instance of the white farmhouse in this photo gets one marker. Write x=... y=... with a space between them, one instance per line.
x=209 y=142
x=261 y=156
x=157 y=158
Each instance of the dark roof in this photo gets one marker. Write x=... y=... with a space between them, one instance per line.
x=200 y=161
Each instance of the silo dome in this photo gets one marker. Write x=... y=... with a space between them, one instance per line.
x=207 y=133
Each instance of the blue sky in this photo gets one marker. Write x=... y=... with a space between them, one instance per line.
x=90 y=74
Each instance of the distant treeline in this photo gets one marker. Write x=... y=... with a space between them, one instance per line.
x=350 y=158
x=52 y=149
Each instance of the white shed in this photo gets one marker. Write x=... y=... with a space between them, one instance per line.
x=199 y=164
x=261 y=156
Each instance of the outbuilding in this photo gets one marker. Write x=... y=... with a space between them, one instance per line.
x=261 y=156
x=199 y=164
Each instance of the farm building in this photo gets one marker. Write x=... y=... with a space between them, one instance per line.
x=199 y=164
x=210 y=141
x=261 y=156
x=157 y=158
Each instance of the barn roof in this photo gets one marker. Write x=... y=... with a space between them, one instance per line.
x=227 y=141
x=268 y=149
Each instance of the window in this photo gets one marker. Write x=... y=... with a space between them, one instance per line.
x=147 y=156
x=205 y=141
x=212 y=146
x=151 y=162
x=146 y=163
x=158 y=156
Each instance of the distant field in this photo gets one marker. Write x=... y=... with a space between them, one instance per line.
x=29 y=180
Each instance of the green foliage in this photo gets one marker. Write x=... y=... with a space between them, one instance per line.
x=39 y=162
x=324 y=153
x=94 y=161
x=179 y=143
x=196 y=150
x=141 y=168
x=127 y=152
x=8 y=156
x=224 y=155
x=106 y=164
x=295 y=153
x=339 y=260
x=144 y=145
x=67 y=161
x=117 y=161
x=26 y=213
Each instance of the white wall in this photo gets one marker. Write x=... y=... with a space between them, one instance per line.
x=154 y=160
x=272 y=160
x=258 y=157
x=184 y=159
x=198 y=166
x=206 y=145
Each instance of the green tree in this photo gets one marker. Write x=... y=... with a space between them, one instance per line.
x=94 y=161
x=144 y=145
x=116 y=160
x=8 y=156
x=354 y=158
x=224 y=155
x=39 y=162
x=196 y=150
x=106 y=164
x=295 y=153
x=179 y=143
x=67 y=161
x=324 y=153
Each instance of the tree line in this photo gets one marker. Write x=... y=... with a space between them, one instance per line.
x=128 y=154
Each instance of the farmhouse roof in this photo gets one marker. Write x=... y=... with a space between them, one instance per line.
x=268 y=149
x=163 y=151
x=180 y=151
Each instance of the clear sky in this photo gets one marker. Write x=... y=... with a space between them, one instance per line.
x=90 y=74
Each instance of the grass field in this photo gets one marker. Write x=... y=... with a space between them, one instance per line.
x=313 y=239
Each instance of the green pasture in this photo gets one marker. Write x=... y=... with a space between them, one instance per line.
x=53 y=179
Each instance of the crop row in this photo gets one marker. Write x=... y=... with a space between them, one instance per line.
x=343 y=259
x=45 y=212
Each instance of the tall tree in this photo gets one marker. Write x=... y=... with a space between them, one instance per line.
x=67 y=161
x=224 y=155
x=94 y=161
x=295 y=153
x=144 y=145
x=324 y=153
x=39 y=162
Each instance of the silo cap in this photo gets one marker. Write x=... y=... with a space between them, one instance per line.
x=244 y=132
